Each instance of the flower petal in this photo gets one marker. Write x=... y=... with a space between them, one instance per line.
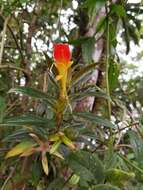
x=62 y=53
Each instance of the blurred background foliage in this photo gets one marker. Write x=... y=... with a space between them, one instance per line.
x=93 y=141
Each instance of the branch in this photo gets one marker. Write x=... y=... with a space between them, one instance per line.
x=3 y=38
x=12 y=34
x=13 y=67
x=15 y=39
x=9 y=177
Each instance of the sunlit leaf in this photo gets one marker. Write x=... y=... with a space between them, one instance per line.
x=59 y=155
x=74 y=179
x=54 y=147
x=67 y=142
x=19 y=149
x=45 y=163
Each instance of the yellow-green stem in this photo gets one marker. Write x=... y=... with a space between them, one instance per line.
x=64 y=85
x=107 y=63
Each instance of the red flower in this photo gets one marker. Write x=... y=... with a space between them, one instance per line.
x=62 y=62
x=62 y=54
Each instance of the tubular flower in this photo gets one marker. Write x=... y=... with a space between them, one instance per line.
x=62 y=56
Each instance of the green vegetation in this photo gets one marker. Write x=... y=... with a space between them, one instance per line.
x=77 y=124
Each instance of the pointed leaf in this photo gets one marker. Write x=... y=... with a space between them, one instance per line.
x=55 y=146
x=118 y=176
x=94 y=92
x=33 y=93
x=28 y=152
x=95 y=119
x=58 y=155
x=74 y=179
x=67 y=142
x=83 y=72
x=20 y=148
x=29 y=91
x=54 y=137
x=28 y=120
x=45 y=163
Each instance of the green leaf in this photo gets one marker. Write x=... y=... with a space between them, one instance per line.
x=101 y=24
x=95 y=119
x=17 y=135
x=90 y=92
x=29 y=91
x=54 y=147
x=118 y=176
x=111 y=158
x=36 y=173
x=113 y=75
x=19 y=149
x=82 y=73
x=133 y=34
x=105 y=187
x=137 y=145
x=28 y=120
x=126 y=35
x=67 y=142
x=118 y=10
x=130 y=163
x=135 y=20
x=74 y=179
x=56 y=184
x=113 y=33
x=53 y=85
x=82 y=171
x=2 y=107
x=87 y=50
x=45 y=163
x=33 y=93
x=87 y=166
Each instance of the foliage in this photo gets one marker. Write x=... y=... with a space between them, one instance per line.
x=47 y=141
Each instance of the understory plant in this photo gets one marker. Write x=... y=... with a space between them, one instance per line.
x=66 y=120
x=57 y=147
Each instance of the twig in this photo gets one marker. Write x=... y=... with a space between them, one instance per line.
x=15 y=39
x=8 y=178
x=3 y=38
x=32 y=27
x=13 y=67
x=11 y=107
x=45 y=81
x=59 y=21
x=118 y=146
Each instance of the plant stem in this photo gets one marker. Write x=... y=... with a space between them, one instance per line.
x=107 y=61
x=3 y=39
x=131 y=164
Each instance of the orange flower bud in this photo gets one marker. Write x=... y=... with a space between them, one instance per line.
x=62 y=56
